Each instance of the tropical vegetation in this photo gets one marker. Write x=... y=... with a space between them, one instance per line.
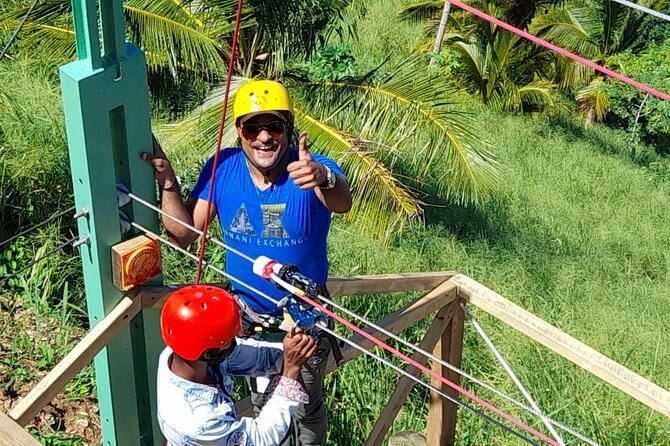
x=480 y=163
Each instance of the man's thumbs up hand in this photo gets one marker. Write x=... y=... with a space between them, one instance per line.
x=303 y=152
x=306 y=172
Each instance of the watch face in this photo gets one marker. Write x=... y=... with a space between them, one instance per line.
x=330 y=179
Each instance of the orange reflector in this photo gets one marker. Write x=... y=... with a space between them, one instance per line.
x=135 y=261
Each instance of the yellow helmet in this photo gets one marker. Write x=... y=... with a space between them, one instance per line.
x=261 y=96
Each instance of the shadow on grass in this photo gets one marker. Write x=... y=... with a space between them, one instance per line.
x=494 y=235
x=575 y=131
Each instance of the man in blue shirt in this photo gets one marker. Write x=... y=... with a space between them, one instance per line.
x=273 y=200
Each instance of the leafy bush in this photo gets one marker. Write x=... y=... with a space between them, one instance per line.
x=652 y=68
x=332 y=62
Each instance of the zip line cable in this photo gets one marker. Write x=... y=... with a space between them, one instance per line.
x=189 y=226
x=339 y=337
x=534 y=410
x=348 y=312
x=48 y=220
x=18 y=29
x=649 y=11
x=429 y=386
x=224 y=108
x=75 y=241
x=639 y=85
x=299 y=293
x=510 y=372
x=205 y=262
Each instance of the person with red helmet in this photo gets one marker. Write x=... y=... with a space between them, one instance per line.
x=200 y=326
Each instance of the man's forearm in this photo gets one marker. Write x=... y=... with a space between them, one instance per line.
x=172 y=204
x=337 y=199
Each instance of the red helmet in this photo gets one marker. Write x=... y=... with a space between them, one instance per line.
x=196 y=318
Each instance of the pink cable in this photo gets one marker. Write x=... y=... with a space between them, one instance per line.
x=224 y=107
x=430 y=372
x=563 y=52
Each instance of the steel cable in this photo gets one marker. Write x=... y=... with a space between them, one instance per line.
x=511 y=373
x=354 y=315
x=457 y=370
x=18 y=29
x=75 y=241
x=427 y=385
x=39 y=225
x=641 y=8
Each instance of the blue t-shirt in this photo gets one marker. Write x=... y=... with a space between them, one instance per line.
x=282 y=222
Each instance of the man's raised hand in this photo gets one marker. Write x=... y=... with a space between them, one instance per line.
x=306 y=173
x=162 y=168
x=298 y=348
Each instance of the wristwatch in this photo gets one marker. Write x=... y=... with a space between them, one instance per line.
x=331 y=179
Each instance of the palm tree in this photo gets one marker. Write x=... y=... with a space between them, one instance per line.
x=397 y=134
x=500 y=67
x=595 y=30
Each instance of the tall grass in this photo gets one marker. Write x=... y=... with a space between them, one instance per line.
x=577 y=234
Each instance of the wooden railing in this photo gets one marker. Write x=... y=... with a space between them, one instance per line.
x=444 y=338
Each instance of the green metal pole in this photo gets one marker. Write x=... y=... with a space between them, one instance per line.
x=106 y=107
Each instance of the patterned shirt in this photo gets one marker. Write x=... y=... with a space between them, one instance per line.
x=194 y=414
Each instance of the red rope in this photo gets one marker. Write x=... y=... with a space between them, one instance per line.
x=639 y=85
x=224 y=108
x=430 y=372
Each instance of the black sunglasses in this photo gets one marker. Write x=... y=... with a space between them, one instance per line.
x=275 y=128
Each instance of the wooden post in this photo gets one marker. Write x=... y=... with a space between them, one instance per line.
x=442 y=413
x=405 y=384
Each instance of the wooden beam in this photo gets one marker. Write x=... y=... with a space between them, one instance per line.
x=556 y=340
x=11 y=434
x=387 y=283
x=80 y=356
x=405 y=384
x=407 y=316
x=154 y=296
x=441 y=296
x=442 y=413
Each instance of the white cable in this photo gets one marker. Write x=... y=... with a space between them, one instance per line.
x=430 y=387
x=512 y=375
x=639 y=7
x=205 y=262
x=459 y=371
x=187 y=225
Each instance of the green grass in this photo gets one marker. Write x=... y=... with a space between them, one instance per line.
x=375 y=44
x=577 y=234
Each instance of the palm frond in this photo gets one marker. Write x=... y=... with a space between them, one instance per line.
x=593 y=101
x=379 y=198
x=541 y=94
x=421 y=12
x=413 y=111
x=164 y=27
x=50 y=44
x=574 y=28
x=202 y=124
